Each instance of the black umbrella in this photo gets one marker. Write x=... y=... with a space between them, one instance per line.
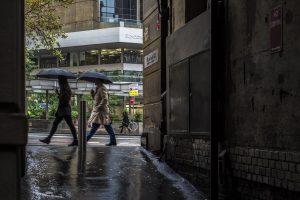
x=94 y=76
x=55 y=73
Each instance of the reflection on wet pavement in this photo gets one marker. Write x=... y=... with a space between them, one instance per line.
x=111 y=173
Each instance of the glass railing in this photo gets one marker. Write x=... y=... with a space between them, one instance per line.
x=124 y=78
x=121 y=22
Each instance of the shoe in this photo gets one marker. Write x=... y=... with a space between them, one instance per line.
x=111 y=144
x=45 y=140
x=74 y=143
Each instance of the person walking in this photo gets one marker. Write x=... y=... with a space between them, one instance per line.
x=125 y=122
x=63 y=111
x=100 y=113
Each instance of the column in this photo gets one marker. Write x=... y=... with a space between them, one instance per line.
x=13 y=122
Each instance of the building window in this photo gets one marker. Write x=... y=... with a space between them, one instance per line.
x=133 y=56
x=73 y=59
x=110 y=56
x=88 y=57
x=48 y=61
x=118 y=10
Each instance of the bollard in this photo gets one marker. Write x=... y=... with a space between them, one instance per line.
x=82 y=136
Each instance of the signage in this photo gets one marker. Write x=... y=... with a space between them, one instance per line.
x=133 y=36
x=276 y=29
x=151 y=58
x=134 y=93
x=134 y=89
x=131 y=101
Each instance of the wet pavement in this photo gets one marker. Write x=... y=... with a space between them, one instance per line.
x=121 y=172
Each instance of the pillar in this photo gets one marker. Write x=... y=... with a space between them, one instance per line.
x=13 y=121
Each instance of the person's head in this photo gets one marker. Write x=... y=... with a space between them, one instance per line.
x=98 y=82
x=62 y=81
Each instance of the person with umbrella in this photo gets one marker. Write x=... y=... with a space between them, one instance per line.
x=64 y=107
x=100 y=112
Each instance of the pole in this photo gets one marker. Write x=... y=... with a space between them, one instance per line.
x=129 y=105
x=47 y=104
x=133 y=106
x=82 y=136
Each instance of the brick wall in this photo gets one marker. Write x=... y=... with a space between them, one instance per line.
x=190 y=157
x=265 y=170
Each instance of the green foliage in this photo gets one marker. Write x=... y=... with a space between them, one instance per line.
x=114 y=102
x=74 y=113
x=138 y=117
x=42 y=24
x=42 y=29
x=89 y=101
x=34 y=108
x=29 y=65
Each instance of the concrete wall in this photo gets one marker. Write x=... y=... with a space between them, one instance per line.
x=261 y=84
x=152 y=76
x=178 y=12
x=80 y=15
x=188 y=83
x=262 y=105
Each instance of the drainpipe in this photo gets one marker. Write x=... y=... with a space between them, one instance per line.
x=217 y=89
x=163 y=11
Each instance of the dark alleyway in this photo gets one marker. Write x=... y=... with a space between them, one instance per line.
x=122 y=172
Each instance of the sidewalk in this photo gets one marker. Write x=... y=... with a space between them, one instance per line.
x=123 y=172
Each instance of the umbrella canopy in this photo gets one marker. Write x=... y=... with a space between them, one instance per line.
x=55 y=73
x=94 y=76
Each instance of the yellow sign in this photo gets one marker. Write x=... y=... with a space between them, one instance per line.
x=133 y=93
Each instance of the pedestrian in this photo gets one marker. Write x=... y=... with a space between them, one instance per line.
x=125 y=122
x=63 y=111
x=100 y=113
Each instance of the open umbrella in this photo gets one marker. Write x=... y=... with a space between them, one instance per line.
x=93 y=76
x=55 y=73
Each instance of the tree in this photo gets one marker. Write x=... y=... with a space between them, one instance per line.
x=42 y=24
x=43 y=27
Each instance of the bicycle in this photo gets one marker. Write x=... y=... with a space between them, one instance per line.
x=131 y=127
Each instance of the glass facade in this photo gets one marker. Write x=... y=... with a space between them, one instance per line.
x=133 y=56
x=114 y=10
x=74 y=59
x=48 y=61
x=110 y=56
x=124 y=76
x=88 y=57
x=93 y=57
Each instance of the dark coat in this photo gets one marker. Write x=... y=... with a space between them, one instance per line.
x=64 y=107
x=125 y=121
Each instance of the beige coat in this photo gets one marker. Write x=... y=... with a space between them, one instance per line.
x=100 y=112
